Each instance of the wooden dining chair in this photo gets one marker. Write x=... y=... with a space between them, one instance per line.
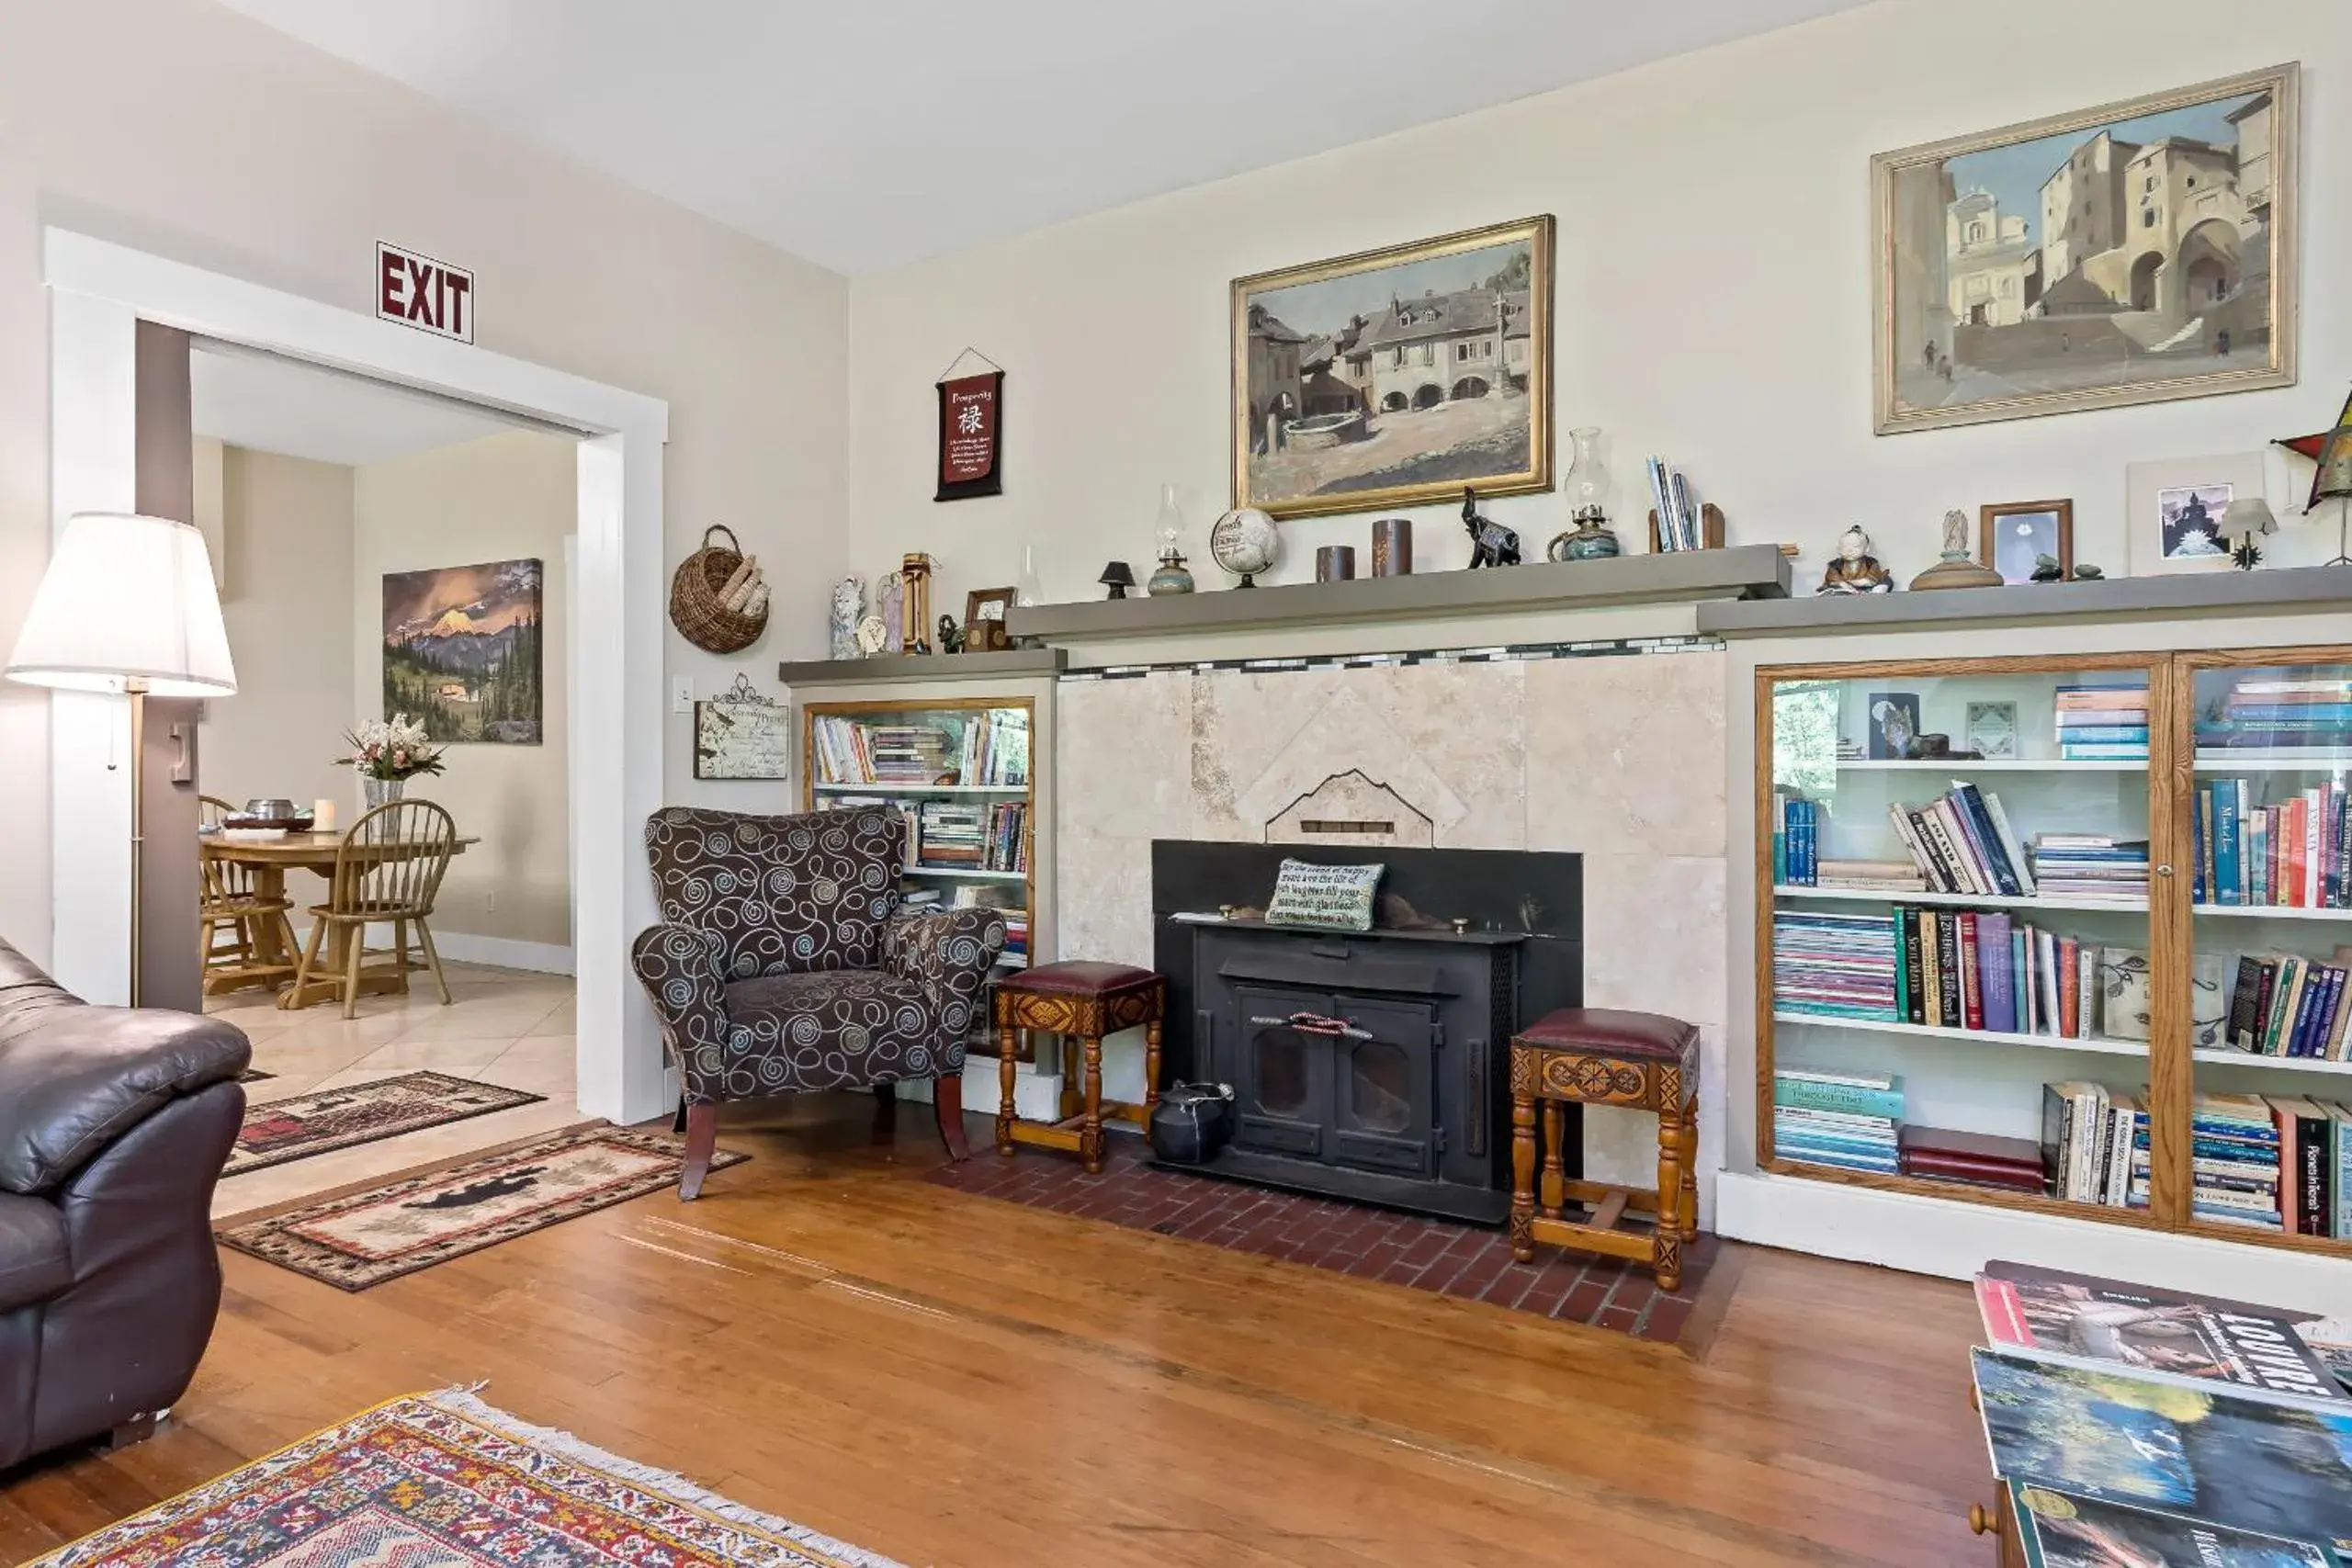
x=227 y=905
x=388 y=870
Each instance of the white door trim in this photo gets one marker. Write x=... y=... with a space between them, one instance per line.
x=100 y=289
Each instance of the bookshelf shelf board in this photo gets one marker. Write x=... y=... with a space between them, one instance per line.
x=1961 y=1193
x=2333 y=1246
x=973 y=872
x=1963 y=900
x=1977 y=1037
x=1011 y=791
x=2270 y=911
x=2272 y=762
x=1992 y=766
x=2285 y=1064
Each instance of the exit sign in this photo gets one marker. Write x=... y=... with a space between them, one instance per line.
x=417 y=292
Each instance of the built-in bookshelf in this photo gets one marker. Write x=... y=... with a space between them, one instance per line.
x=962 y=771
x=2064 y=933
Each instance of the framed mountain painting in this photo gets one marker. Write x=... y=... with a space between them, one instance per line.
x=462 y=650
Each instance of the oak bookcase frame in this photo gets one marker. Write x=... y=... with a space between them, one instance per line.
x=2172 y=783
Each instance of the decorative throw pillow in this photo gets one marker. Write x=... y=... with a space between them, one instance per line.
x=1323 y=897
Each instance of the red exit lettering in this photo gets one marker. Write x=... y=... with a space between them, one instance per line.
x=418 y=291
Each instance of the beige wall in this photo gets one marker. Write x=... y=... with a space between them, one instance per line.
x=286 y=526
x=1713 y=300
x=503 y=498
x=186 y=129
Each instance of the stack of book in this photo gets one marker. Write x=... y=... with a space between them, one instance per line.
x=1888 y=876
x=2093 y=1141
x=1796 y=831
x=841 y=754
x=996 y=749
x=1016 y=936
x=2269 y=710
x=2296 y=853
x=1835 y=965
x=2103 y=724
x=2286 y=1005
x=2235 y=1145
x=2091 y=865
x=949 y=837
x=1008 y=845
x=1937 y=1154
x=2315 y=1167
x=1961 y=842
x=905 y=753
x=1847 y=1120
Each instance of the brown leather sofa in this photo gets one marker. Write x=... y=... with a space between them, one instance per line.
x=114 y=1125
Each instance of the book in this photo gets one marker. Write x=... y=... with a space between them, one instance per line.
x=1995 y=984
x=2058 y=1528
x=1804 y=1094
x=2013 y=1164
x=2238 y=1458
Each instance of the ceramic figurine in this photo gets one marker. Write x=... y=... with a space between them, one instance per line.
x=1959 y=568
x=1856 y=570
x=890 y=603
x=848 y=608
x=951 y=636
x=1491 y=543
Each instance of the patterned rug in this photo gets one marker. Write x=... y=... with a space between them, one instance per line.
x=365 y=1239
x=445 y=1481
x=304 y=1124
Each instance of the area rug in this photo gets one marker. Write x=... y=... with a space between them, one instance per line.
x=365 y=1239
x=446 y=1481
x=1467 y=1262
x=304 y=1124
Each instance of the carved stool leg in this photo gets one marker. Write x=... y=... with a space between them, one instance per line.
x=1553 y=1189
x=1665 y=1247
x=1007 y=1066
x=1090 y=1130
x=1523 y=1176
x=1690 y=1171
x=1150 y=1068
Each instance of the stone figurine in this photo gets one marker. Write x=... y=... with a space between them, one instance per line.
x=1491 y=543
x=848 y=608
x=951 y=636
x=2047 y=570
x=2086 y=572
x=1856 y=570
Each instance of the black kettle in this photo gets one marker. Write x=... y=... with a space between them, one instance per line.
x=1191 y=1123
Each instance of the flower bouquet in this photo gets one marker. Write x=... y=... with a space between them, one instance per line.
x=387 y=753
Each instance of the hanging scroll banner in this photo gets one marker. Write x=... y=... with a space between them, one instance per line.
x=972 y=436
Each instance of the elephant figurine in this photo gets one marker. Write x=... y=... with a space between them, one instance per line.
x=1491 y=543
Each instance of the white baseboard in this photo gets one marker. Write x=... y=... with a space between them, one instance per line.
x=1933 y=1236
x=504 y=953
x=1037 y=1097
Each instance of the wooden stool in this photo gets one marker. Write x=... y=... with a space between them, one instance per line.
x=1604 y=1056
x=1086 y=1000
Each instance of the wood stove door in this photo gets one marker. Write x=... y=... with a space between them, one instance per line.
x=1384 y=1069
x=1282 y=1073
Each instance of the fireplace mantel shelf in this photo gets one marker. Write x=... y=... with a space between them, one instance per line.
x=1745 y=570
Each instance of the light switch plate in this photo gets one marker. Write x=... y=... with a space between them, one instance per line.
x=682 y=694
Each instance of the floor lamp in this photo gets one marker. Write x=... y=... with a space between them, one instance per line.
x=128 y=606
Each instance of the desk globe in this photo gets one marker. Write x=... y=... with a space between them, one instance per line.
x=1245 y=542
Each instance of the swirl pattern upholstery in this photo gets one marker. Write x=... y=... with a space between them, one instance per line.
x=782 y=964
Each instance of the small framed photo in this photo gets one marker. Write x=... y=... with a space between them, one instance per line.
x=2173 y=511
x=2014 y=538
x=984 y=612
x=1894 y=724
x=1993 y=730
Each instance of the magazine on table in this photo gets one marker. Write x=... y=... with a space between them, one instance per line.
x=2232 y=1456
x=2066 y=1529
x=2147 y=1329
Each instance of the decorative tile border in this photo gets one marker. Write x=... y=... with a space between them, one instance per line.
x=1504 y=653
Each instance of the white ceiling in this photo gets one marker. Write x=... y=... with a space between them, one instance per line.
x=268 y=405
x=864 y=134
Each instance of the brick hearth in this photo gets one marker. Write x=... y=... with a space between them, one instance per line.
x=1421 y=1254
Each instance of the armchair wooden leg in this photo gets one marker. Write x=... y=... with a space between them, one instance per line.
x=702 y=1142
x=947 y=1094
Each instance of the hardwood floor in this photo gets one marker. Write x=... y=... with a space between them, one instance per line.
x=952 y=1380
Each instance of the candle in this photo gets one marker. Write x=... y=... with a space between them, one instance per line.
x=323 y=816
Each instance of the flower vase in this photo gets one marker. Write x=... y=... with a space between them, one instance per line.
x=376 y=792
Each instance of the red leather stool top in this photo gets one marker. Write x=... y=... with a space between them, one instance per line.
x=1080 y=978
x=1612 y=1032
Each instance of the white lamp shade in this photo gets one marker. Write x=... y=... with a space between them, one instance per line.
x=127 y=599
x=2249 y=514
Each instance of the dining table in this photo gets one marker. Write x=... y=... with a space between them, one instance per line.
x=273 y=960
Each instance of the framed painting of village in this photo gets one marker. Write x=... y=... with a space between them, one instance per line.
x=1393 y=377
x=2129 y=254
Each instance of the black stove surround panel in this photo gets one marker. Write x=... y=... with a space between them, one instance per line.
x=1373 y=1065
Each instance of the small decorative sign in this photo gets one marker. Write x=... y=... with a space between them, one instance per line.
x=971 y=431
x=418 y=291
x=742 y=734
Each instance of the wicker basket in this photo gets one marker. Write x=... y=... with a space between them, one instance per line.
x=695 y=608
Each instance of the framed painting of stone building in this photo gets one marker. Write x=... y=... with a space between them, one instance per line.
x=1393 y=377
x=2129 y=254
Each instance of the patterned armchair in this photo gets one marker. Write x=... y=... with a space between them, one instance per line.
x=781 y=966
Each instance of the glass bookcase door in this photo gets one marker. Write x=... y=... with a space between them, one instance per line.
x=1958 y=921
x=2270 y=917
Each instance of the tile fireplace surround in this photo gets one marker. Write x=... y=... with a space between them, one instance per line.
x=1615 y=751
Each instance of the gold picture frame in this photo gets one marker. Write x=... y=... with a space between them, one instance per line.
x=2135 y=271
x=1419 y=357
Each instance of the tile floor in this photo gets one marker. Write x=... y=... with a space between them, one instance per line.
x=503 y=1026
